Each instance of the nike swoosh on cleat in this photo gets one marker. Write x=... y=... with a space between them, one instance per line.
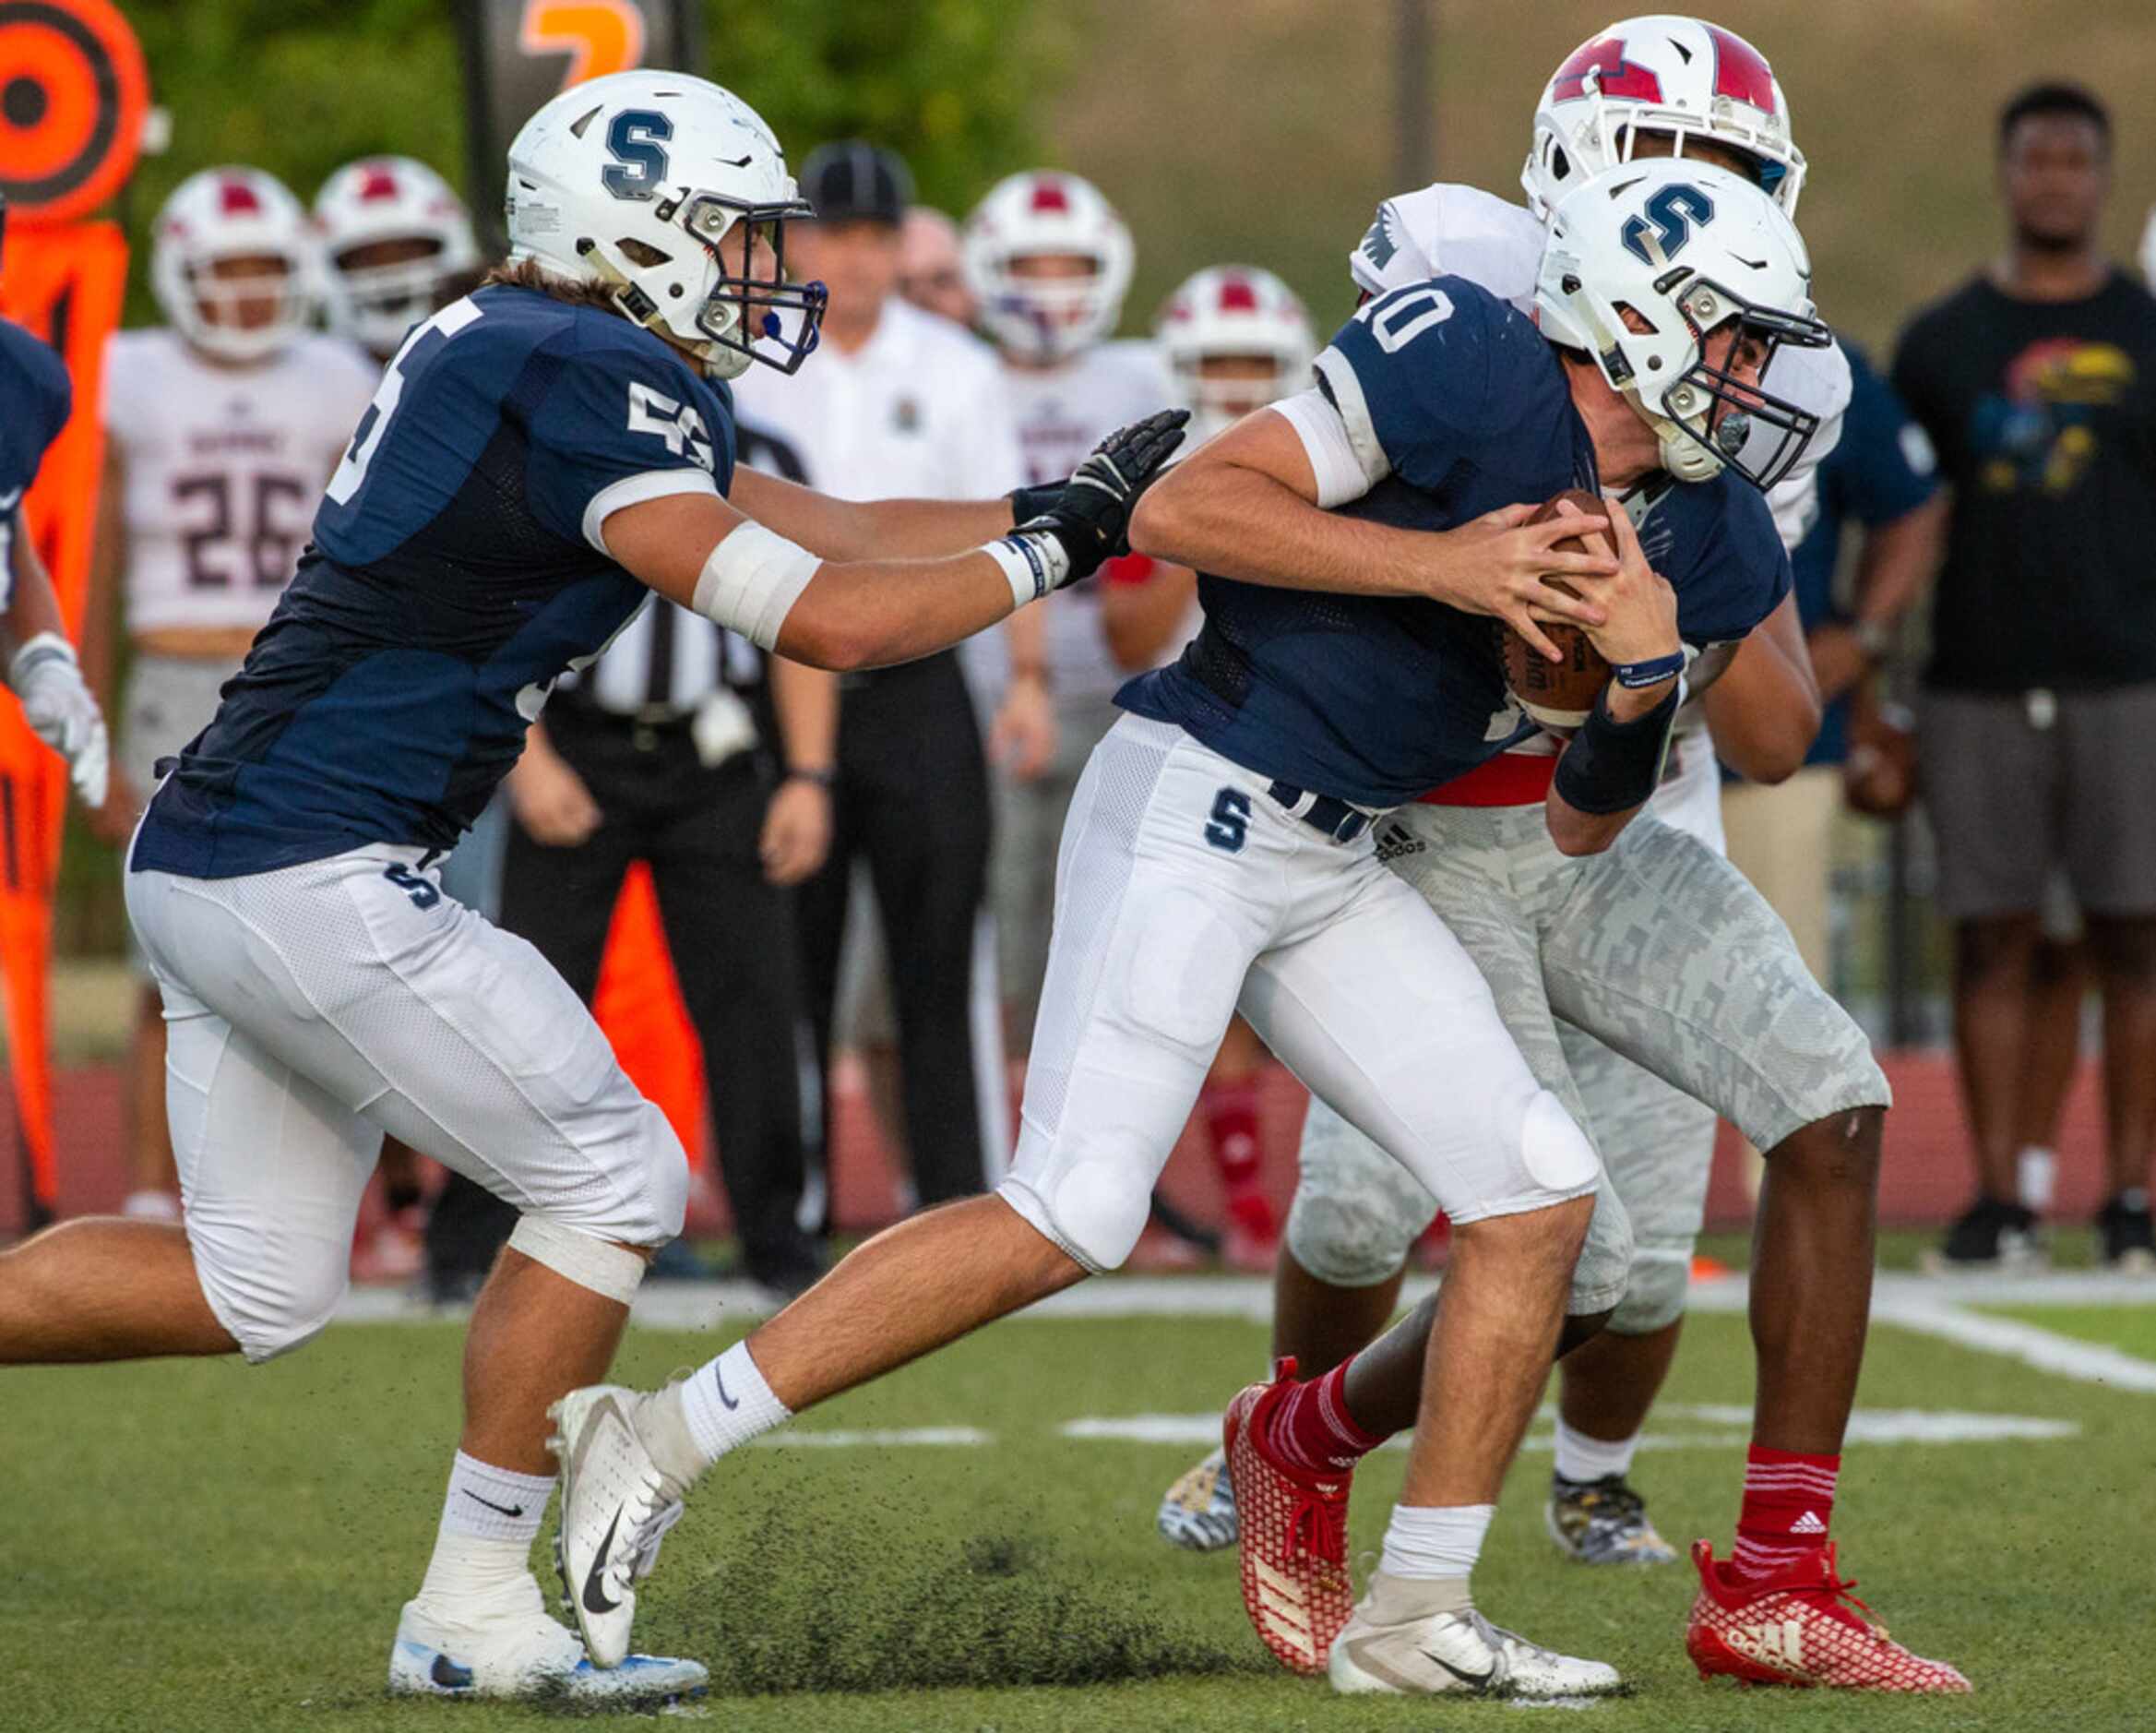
x=449 y=1676
x=1474 y=1681
x=595 y=1599
x=719 y=1378
x=506 y=1510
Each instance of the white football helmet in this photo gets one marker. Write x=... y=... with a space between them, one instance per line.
x=232 y=213
x=633 y=180
x=1668 y=74
x=379 y=199
x=1687 y=247
x=1045 y=213
x=1233 y=312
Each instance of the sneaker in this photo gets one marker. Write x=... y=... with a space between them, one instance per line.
x=2129 y=1235
x=525 y=1655
x=1604 y=1522
x=1395 y=1644
x=1990 y=1235
x=1802 y=1627
x=1292 y=1534
x=616 y=1507
x=1198 y=1512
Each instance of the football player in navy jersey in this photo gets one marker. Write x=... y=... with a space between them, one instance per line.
x=537 y=456
x=1219 y=856
x=36 y=396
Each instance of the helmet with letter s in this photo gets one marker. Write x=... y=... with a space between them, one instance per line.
x=1686 y=249
x=233 y=264
x=1048 y=315
x=393 y=237
x=1231 y=314
x=1681 y=77
x=635 y=181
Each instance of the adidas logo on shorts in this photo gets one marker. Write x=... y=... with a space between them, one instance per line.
x=1393 y=843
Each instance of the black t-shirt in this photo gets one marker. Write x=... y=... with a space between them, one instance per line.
x=2045 y=417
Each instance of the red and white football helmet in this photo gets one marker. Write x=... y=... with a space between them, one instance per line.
x=379 y=199
x=231 y=213
x=1232 y=312
x=1045 y=213
x=1663 y=73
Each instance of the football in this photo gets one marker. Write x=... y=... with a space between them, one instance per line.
x=1558 y=694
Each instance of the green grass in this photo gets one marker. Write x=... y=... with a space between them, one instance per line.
x=190 y=1548
x=2129 y=1328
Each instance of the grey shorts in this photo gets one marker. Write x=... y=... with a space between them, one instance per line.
x=2025 y=786
x=169 y=701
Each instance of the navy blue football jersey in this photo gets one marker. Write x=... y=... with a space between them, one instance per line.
x=1379 y=699
x=457 y=570
x=35 y=398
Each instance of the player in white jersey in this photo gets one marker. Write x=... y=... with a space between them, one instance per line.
x=397 y=247
x=220 y=427
x=1050 y=262
x=1656 y=87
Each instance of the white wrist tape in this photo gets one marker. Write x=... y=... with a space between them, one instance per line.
x=751 y=580
x=45 y=647
x=1033 y=561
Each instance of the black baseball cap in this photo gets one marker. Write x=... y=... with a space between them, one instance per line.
x=850 y=180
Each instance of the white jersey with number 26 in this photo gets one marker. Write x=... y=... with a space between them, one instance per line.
x=224 y=466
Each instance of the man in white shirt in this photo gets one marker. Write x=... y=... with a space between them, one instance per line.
x=901 y=402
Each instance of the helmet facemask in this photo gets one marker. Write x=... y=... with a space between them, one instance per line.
x=1712 y=415
x=741 y=316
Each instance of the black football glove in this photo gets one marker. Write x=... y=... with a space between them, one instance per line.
x=1091 y=516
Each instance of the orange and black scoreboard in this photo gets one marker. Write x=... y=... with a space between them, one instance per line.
x=74 y=94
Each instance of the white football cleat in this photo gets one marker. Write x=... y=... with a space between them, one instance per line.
x=617 y=1507
x=1199 y=1511
x=1392 y=1644
x=524 y=1654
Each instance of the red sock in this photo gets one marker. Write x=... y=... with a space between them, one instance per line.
x=1789 y=1506
x=1230 y=1121
x=1311 y=1429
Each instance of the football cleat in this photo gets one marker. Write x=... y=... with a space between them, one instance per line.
x=1604 y=1522
x=616 y=1507
x=1800 y=1627
x=1989 y=1236
x=1292 y=1533
x=1198 y=1512
x=525 y=1655
x=2128 y=1233
x=1395 y=1644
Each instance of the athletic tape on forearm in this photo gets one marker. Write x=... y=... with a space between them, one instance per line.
x=751 y=580
x=598 y=1264
x=1613 y=766
x=1033 y=561
x=45 y=647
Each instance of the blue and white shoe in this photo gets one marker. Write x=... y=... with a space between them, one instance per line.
x=1197 y=1513
x=528 y=1655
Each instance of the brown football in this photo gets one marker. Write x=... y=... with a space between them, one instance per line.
x=1559 y=694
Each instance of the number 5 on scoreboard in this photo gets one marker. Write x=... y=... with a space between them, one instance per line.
x=599 y=36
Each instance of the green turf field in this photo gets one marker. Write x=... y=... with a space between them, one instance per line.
x=208 y=1547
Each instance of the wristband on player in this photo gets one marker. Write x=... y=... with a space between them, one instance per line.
x=1652 y=672
x=45 y=647
x=1611 y=766
x=825 y=780
x=1034 y=561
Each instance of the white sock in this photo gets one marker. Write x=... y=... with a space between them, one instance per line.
x=1583 y=1458
x=1441 y=1540
x=2036 y=1178
x=726 y=1402
x=490 y=1517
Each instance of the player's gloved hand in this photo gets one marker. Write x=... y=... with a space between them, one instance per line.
x=1027 y=503
x=1090 y=517
x=60 y=711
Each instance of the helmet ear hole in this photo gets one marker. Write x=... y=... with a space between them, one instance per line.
x=1636 y=322
x=642 y=253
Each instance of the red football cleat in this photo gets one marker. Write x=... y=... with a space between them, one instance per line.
x=1293 y=1535
x=1801 y=1628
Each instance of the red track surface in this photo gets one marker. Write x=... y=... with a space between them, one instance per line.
x=1927 y=1174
